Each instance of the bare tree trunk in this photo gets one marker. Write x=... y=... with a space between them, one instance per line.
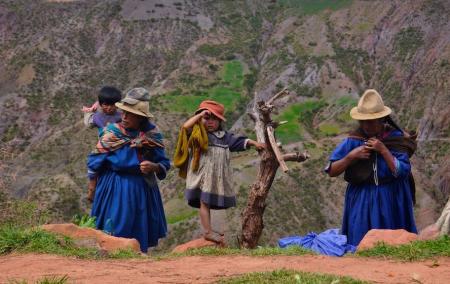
x=443 y=223
x=271 y=159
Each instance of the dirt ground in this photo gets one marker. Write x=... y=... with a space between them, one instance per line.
x=207 y=269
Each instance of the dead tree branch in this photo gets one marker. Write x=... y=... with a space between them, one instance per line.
x=271 y=159
x=276 y=149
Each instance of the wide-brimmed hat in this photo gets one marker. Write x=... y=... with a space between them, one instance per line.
x=370 y=106
x=215 y=108
x=136 y=101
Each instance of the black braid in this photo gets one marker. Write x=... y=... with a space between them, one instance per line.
x=388 y=119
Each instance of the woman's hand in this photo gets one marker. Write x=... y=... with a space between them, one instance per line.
x=376 y=145
x=91 y=190
x=149 y=167
x=359 y=153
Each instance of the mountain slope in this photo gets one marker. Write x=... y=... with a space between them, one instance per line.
x=57 y=54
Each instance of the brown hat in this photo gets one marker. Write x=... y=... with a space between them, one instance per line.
x=136 y=101
x=370 y=106
x=214 y=107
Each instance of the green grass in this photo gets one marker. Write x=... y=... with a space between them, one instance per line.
x=329 y=129
x=227 y=91
x=172 y=219
x=46 y=280
x=347 y=101
x=124 y=254
x=15 y=239
x=85 y=221
x=232 y=73
x=418 y=250
x=189 y=103
x=260 y=251
x=289 y=276
x=310 y=7
x=296 y=115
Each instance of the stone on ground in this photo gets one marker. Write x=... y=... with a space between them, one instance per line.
x=197 y=243
x=430 y=232
x=85 y=236
x=389 y=237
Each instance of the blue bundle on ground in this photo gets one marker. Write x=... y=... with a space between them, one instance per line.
x=329 y=242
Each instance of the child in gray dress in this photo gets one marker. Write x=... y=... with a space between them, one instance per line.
x=208 y=180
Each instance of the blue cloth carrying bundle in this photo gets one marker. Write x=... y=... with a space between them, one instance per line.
x=329 y=242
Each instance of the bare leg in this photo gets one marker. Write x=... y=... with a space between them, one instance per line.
x=205 y=217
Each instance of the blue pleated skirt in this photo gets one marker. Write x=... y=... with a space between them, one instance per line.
x=386 y=206
x=126 y=206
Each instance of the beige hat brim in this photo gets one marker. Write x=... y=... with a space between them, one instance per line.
x=355 y=114
x=129 y=109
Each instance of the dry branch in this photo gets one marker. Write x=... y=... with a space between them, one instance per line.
x=281 y=93
x=296 y=157
x=276 y=149
x=271 y=159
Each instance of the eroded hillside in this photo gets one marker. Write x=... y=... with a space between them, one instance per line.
x=56 y=54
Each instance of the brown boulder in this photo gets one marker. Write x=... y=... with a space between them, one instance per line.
x=389 y=237
x=431 y=232
x=197 y=243
x=104 y=241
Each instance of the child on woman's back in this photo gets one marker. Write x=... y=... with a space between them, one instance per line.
x=203 y=156
x=108 y=113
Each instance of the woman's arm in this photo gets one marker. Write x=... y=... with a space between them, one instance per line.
x=91 y=189
x=95 y=164
x=193 y=120
x=339 y=166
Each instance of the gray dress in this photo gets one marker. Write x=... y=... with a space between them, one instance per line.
x=211 y=183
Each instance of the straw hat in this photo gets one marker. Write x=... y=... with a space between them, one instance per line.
x=214 y=107
x=370 y=106
x=136 y=101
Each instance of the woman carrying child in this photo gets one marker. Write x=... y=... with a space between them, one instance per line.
x=203 y=156
x=123 y=170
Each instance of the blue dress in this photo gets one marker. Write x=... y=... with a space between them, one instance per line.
x=127 y=203
x=369 y=206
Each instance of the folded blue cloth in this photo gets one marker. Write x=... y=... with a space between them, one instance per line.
x=329 y=242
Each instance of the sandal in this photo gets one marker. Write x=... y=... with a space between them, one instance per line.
x=214 y=237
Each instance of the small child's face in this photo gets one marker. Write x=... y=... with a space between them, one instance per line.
x=108 y=109
x=211 y=123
